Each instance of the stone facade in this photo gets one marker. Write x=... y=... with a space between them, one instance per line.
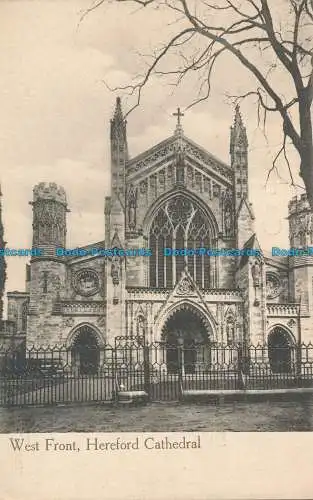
x=175 y=194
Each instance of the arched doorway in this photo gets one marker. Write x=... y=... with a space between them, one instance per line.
x=280 y=350
x=85 y=350
x=187 y=344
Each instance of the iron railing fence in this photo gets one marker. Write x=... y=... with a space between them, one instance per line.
x=58 y=374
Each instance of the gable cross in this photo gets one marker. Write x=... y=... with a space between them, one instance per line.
x=179 y=114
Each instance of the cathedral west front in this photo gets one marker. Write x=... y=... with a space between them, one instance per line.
x=175 y=195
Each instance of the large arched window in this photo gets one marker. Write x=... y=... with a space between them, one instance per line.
x=179 y=224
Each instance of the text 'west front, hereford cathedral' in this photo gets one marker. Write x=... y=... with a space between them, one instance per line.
x=175 y=195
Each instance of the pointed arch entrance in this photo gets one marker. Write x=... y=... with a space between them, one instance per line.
x=280 y=350
x=186 y=338
x=85 y=350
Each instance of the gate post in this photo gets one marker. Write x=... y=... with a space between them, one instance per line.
x=146 y=368
x=180 y=369
x=114 y=373
x=299 y=347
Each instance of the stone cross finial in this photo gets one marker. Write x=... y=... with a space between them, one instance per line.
x=179 y=114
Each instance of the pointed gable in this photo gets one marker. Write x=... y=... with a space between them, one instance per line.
x=244 y=205
x=164 y=153
x=116 y=242
x=251 y=244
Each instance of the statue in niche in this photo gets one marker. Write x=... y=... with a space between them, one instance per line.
x=132 y=205
x=230 y=332
x=115 y=270
x=310 y=228
x=256 y=273
x=180 y=165
x=216 y=190
x=162 y=178
x=143 y=187
x=141 y=330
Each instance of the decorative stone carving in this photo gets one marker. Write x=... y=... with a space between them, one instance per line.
x=162 y=178
x=256 y=273
x=43 y=281
x=170 y=174
x=206 y=184
x=86 y=282
x=189 y=174
x=180 y=173
x=115 y=270
x=12 y=311
x=273 y=286
x=198 y=179
x=132 y=206
x=157 y=157
x=141 y=327
x=68 y=322
x=291 y=323
x=153 y=185
x=230 y=331
x=228 y=218
x=143 y=187
x=180 y=210
x=24 y=314
x=216 y=190
x=180 y=163
x=55 y=281
x=49 y=222
x=101 y=321
x=185 y=287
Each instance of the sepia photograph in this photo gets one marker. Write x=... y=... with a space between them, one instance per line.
x=156 y=224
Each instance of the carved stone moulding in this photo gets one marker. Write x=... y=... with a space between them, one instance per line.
x=86 y=282
x=185 y=287
x=273 y=285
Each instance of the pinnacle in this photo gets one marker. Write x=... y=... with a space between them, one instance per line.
x=238 y=130
x=118 y=114
x=238 y=119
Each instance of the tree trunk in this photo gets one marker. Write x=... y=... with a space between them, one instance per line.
x=306 y=154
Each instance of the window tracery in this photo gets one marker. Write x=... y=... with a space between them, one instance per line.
x=179 y=224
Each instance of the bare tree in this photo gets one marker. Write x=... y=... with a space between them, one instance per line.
x=272 y=39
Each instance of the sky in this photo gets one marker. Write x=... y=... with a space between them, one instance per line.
x=56 y=106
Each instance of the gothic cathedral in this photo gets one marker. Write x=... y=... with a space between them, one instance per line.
x=175 y=195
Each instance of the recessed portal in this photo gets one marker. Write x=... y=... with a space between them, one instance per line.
x=85 y=351
x=187 y=342
x=279 y=351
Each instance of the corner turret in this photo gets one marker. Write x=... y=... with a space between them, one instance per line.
x=300 y=222
x=301 y=266
x=49 y=217
x=48 y=271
